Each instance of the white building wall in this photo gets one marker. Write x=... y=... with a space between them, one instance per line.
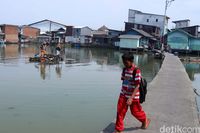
x=131 y=16
x=68 y=39
x=147 y=19
x=82 y=39
x=85 y=39
x=86 y=31
x=71 y=39
x=182 y=24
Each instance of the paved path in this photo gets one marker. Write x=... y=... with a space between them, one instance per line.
x=170 y=101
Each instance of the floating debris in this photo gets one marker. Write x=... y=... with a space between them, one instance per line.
x=10 y=108
x=48 y=59
x=70 y=61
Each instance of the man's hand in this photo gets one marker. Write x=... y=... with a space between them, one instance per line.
x=129 y=101
x=125 y=78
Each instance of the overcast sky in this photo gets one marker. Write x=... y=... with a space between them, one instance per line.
x=93 y=13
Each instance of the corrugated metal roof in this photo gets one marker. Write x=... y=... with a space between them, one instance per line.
x=99 y=32
x=181 y=21
x=180 y=30
x=103 y=28
x=130 y=36
x=143 y=33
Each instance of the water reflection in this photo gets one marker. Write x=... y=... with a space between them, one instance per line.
x=45 y=70
x=106 y=58
x=50 y=96
x=2 y=53
x=13 y=53
x=112 y=59
x=192 y=69
x=58 y=69
x=42 y=69
x=22 y=50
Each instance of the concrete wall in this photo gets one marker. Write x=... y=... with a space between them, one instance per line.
x=30 y=32
x=11 y=33
x=182 y=24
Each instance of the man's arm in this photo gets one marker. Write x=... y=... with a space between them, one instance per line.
x=136 y=80
x=129 y=101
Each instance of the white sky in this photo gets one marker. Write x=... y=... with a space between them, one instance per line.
x=93 y=13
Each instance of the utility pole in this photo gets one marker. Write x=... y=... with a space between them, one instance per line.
x=167 y=4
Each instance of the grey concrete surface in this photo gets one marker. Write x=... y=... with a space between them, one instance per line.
x=170 y=102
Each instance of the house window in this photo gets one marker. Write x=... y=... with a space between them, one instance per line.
x=147 y=20
x=156 y=20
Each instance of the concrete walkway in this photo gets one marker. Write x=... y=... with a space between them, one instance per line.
x=170 y=102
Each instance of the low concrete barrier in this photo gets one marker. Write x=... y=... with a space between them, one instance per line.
x=170 y=103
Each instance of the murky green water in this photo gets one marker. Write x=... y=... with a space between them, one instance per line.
x=193 y=70
x=64 y=98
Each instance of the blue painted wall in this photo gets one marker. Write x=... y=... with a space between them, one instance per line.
x=129 y=43
x=142 y=41
x=178 y=40
x=195 y=44
x=181 y=40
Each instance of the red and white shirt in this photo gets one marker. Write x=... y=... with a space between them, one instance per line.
x=128 y=83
